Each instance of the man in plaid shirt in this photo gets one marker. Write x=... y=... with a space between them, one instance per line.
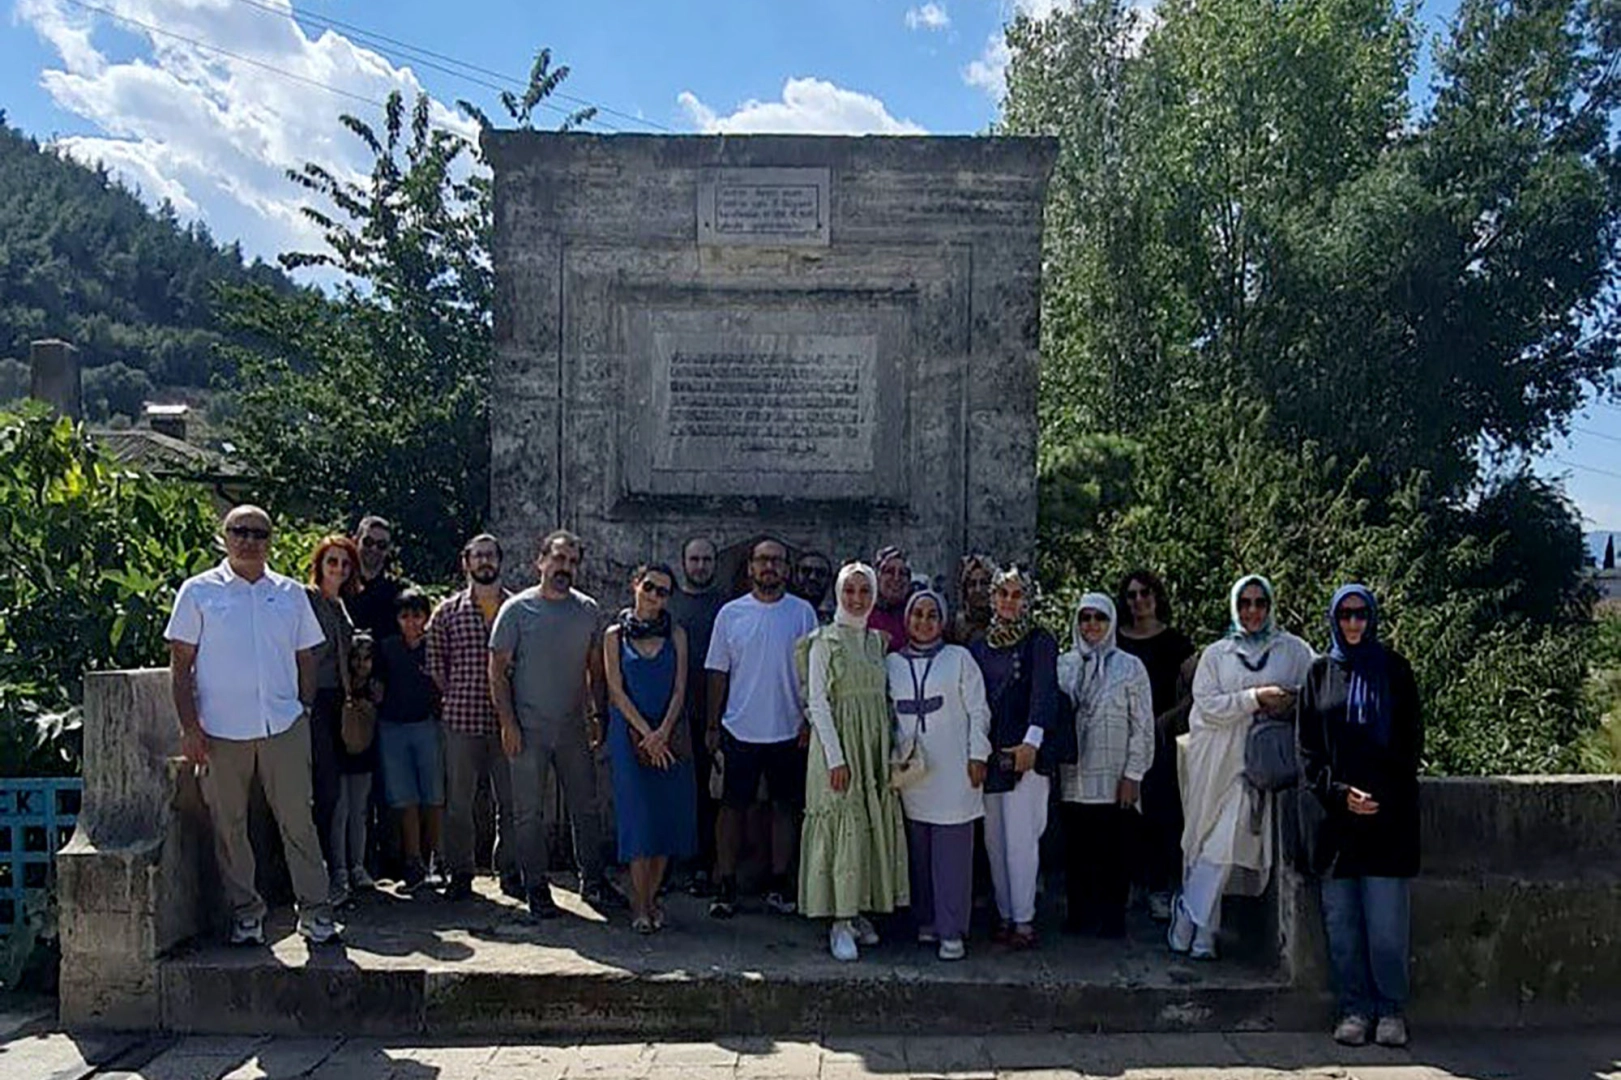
x=459 y=661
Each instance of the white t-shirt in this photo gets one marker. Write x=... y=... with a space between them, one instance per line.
x=248 y=635
x=753 y=644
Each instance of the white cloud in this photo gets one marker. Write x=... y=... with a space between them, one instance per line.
x=988 y=71
x=215 y=133
x=930 y=16
x=808 y=107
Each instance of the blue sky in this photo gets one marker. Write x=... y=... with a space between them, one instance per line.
x=209 y=100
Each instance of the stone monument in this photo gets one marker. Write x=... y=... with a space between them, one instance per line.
x=833 y=340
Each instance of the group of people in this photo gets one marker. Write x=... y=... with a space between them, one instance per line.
x=880 y=749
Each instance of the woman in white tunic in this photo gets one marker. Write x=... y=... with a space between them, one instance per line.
x=1255 y=669
x=1114 y=733
x=941 y=718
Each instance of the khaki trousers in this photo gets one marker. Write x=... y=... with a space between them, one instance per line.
x=282 y=763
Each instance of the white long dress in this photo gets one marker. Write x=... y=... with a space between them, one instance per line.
x=1217 y=834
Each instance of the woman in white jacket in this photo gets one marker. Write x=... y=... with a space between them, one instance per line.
x=1256 y=669
x=1113 y=705
x=943 y=719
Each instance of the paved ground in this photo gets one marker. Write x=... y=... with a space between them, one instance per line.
x=1577 y=1056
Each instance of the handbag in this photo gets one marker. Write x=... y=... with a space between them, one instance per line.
x=357 y=721
x=909 y=771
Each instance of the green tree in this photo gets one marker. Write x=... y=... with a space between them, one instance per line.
x=377 y=400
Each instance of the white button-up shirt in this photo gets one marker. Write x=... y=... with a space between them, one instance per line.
x=248 y=635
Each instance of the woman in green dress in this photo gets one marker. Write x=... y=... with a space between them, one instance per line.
x=853 y=849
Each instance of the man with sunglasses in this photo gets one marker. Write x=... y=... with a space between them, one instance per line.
x=242 y=662
x=372 y=609
x=547 y=684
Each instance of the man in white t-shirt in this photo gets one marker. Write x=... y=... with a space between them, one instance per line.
x=757 y=723
x=242 y=661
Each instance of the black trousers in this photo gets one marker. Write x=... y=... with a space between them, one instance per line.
x=326 y=718
x=1097 y=839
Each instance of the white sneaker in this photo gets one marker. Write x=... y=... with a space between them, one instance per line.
x=952 y=949
x=866 y=933
x=1180 y=935
x=841 y=942
x=1204 y=945
x=248 y=930
x=1392 y=1031
x=317 y=929
x=359 y=879
x=927 y=937
x=1352 y=1031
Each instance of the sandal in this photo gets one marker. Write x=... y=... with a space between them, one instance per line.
x=642 y=924
x=658 y=917
x=1020 y=940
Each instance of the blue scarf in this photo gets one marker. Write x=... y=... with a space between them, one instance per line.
x=1367 y=699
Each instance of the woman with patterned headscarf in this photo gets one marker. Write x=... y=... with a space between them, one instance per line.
x=973 y=617
x=853 y=846
x=1255 y=670
x=1020 y=664
x=1361 y=737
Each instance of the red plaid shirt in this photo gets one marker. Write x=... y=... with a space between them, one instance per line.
x=459 y=661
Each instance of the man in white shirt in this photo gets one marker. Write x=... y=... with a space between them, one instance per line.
x=757 y=721
x=242 y=642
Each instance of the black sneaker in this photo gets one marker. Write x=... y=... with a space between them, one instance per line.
x=541 y=904
x=601 y=894
x=512 y=886
x=724 y=905
x=460 y=887
x=412 y=877
x=700 y=885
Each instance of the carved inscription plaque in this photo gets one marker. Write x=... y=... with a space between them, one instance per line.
x=733 y=403
x=764 y=207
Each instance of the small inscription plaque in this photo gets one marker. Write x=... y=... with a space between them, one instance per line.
x=764 y=207
x=779 y=402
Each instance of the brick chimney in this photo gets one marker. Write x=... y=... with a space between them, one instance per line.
x=168 y=420
x=54 y=371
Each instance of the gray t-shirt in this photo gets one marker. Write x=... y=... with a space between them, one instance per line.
x=550 y=641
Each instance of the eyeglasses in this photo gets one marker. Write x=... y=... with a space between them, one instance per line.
x=1138 y=594
x=1091 y=617
x=656 y=589
x=769 y=560
x=375 y=545
x=248 y=532
x=1352 y=614
x=1259 y=603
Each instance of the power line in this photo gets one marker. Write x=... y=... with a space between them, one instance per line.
x=1596 y=433
x=510 y=83
x=1586 y=468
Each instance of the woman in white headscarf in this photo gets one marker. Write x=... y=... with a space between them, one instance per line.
x=853 y=845
x=1114 y=734
x=1255 y=670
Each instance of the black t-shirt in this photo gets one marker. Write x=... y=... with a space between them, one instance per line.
x=409 y=696
x=1162 y=655
x=372 y=609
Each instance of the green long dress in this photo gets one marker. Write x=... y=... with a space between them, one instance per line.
x=853 y=847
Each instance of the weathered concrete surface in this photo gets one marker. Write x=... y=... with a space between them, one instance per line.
x=743 y=1057
x=131 y=878
x=420 y=965
x=920 y=282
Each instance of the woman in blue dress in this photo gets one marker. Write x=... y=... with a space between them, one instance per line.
x=655 y=802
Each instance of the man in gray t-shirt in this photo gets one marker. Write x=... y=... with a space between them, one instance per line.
x=546 y=680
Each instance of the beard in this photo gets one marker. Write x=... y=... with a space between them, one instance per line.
x=701 y=583
x=485 y=575
x=562 y=579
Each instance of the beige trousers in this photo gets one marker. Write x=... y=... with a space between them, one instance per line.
x=282 y=763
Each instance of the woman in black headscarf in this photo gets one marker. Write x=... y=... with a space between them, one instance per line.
x=1361 y=736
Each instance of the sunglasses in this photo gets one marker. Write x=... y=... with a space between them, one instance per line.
x=375 y=545
x=248 y=532
x=1091 y=617
x=1138 y=594
x=1259 y=603
x=1352 y=614
x=656 y=589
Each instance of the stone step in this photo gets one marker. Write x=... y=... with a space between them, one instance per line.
x=422 y=966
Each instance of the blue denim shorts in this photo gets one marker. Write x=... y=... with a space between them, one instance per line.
x=413 y=764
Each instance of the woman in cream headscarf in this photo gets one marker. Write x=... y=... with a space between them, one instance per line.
x=853 y=847
x=1114 y=731
x=1255 y=669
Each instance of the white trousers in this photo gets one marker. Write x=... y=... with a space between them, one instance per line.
x=1014 y=822
x=1202 y=886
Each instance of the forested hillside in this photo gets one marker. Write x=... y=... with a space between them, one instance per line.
x=82 y=258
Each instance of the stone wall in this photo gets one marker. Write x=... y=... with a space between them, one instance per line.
x=833 y=339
